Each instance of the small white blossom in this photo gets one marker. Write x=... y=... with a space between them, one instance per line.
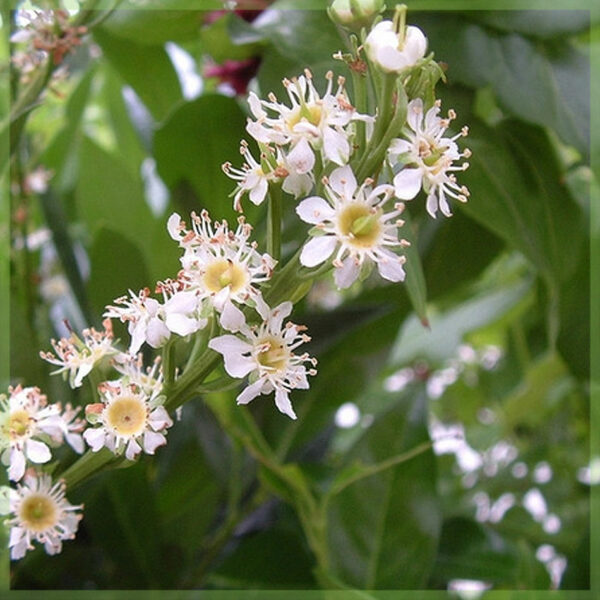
x=219 y=264
x=78 y=357
x=129 y=420
x=429 y=158
x=149 y=379
x=393 y=52
x=354 y=222
x=41 y=513
x=254 y=176
x=151 y=322
x=28 y=424
x=311 y=122
x=266 y=354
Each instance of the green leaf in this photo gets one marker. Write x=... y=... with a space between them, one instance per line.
x=543 y=84
x=383 y=530
x=147 y=69
x=217 y=41
x=517 y=191
x=107 y=283
x=539 y=393
x=147 y=27
x=415 y=278
x=191 y=146
x=470 y=550
x=447 y=329
x=57 y=223
x=535 y=23
x=274 y=558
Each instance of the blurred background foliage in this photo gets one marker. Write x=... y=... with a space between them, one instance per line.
x=151 y=108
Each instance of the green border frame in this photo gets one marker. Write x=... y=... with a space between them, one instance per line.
x=594 y=8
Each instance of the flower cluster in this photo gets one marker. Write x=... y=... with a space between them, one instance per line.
x=347 y=168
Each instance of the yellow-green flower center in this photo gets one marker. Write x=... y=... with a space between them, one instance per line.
x=223 y=273
x=275 y=356
x=38 y=512
x=360 y=224
x=126 y=415
x=309 y=112
x=18 y=423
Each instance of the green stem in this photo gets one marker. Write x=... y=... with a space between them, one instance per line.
x=89 y=463
x=274 y=221
x=386 y=107
x=168 y=365
x=373 y=160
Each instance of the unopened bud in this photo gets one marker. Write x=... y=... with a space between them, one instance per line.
x=355 y=14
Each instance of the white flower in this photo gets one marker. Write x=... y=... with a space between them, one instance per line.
x=130 y=420
x=354 y=222
x=254 y=176
x=76 y=357
x=41 y=513
x=429 y=158
x=391 y=52
x=219 y=264
x=152 y=322
x=149 y=380
x=266 y=355
x=28 y=424
x=310 y=123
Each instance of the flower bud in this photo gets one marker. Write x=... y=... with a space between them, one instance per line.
x=393 y=51
x=355 y=14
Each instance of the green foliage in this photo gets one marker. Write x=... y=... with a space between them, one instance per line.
x=244 y=497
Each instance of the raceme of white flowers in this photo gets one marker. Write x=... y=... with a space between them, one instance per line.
x=347 y=175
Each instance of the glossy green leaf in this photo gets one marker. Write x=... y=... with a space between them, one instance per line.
x=190 y=148
x=447 y=329
x=545 y=85
x=536 y=23
x=470 y=550
x=147 y=69
x=109 y=194
x=383 y=530
x=107 y=283
x=415 y=278
x=517 y=191
x=147 y=27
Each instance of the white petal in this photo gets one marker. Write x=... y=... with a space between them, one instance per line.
x=173 y=226
x=390 y=267
x=95 y=437
x=182 y=325
x=282 y=401
x=414 y=114
x=302 y=158
x=335 y=146
x=250 y=392
x=152 y=441
x=318 y=250
x=37 y=452
x=181 y=302
x=159 y=419
x=314 y=210
x=75 y=441
x=297 y=184
x=407 y=183
x=83 y=371
x=346 y=275
x=343 y=181
x=278 y=314
x=256 y=106
x=232 y=318
x=17 y=465
x=259 y=191
x=137 y=331
x=415 y=44
x=231 y=348
x=432 y=203
x=399 y=146
x=157 y=333
x=133 y=449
